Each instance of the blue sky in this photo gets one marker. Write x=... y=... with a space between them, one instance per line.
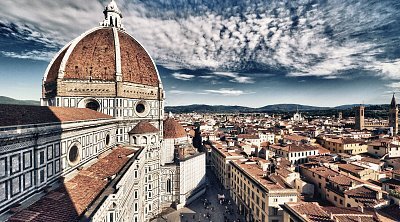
x=244 y=52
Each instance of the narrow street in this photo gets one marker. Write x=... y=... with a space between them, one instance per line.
x=208 y=208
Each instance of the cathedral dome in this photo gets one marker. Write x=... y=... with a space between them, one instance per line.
x=173 y=129
x=104 y=54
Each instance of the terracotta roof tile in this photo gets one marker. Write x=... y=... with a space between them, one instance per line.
x=12 y=115
x=173 y=129
x=69 y=201
x=143 y=127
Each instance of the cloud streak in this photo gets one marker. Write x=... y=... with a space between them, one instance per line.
x=182 y=76
x=227 y=92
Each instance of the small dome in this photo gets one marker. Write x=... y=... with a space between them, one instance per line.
x=173 y=129
x=143 y=127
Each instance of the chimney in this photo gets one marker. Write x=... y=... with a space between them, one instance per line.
x=361 y=208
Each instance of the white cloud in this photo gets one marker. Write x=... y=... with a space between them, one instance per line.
x=179 y=92
x=227 y=92
x=235 y=77
x=388 y=69
x=34 y=54
x=182 y=76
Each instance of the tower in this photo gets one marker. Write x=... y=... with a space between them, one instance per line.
x=394 y=116
x=359 y=120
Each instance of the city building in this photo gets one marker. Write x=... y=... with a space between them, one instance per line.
x=296 y=154
x=361 y=124
x=345 y=145
x=259 y=194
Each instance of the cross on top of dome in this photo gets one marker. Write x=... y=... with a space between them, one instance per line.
x=113 y=16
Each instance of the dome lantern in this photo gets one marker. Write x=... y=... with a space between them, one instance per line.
x=113 y=16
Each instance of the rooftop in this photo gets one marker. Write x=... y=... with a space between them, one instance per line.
x=13 y=115
x=69 y=202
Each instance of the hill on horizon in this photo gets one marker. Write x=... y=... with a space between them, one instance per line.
x=202 y=108
x=11 y=101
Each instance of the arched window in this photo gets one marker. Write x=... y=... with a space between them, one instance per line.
x=134 y=139
x=144 y=140
x=92 y=104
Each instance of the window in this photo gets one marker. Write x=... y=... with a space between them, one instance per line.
x=41 y=176
x=93 y=105
x=169 y=185
x=274 y=211
x=111 y=217
x=140 y=108
x=73 y=155
x=41 y=157
x=107 y=139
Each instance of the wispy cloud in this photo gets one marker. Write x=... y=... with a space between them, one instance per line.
x=235 y=77
x=34 y=54
x=227 y=92
x=182 y=76
x=179 y=92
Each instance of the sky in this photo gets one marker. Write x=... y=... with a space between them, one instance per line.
x=223 y=52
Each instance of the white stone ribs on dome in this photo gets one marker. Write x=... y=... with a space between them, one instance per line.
x=53 y=60
x=71 y=49
x=117 y=56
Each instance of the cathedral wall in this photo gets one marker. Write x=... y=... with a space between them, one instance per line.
x=127 y=204
x=33 y=157
x=167 y=151
x=192 y=176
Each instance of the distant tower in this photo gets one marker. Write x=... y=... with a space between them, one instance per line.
x=394 y=116
x=340 y=115
x=359 y=117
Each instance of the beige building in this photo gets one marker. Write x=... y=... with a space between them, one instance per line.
x=343 y=190
x=257 y=193
x=345 y=145
x=387 y=148
x=220 y=158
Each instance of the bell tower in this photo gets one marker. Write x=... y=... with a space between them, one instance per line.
x=394 y=116
x=359 y=120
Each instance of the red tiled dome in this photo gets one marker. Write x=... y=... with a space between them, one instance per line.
x=143 y=127
x=173 y=129
x=101 y=54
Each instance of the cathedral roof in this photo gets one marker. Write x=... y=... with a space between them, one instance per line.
x=70 y=201
x=13 y=115
x=102 y=54
x=143 y=127
x=173 y=129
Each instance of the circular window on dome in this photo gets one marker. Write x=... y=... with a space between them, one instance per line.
x=73 y=155
x=142 y=109
x=93 y=105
